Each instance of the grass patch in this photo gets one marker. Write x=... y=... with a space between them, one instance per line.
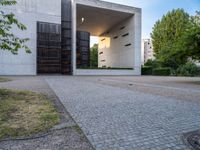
x=23 y=113
x=77 y=129
x=4 y=79
x=106 y=68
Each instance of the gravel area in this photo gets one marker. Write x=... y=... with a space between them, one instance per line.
x=65 y=139
x=64 y=136
x=145 y=116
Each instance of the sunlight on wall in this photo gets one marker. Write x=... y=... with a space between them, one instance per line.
x=104 y=42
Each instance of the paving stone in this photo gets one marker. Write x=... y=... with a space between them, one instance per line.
x=121 y=118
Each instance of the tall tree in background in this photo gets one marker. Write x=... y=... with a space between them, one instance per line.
x=191 y=38
x=94 y=56
x=8 y=40
x=166 y=36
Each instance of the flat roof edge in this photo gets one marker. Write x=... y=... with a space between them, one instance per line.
x=109 y=5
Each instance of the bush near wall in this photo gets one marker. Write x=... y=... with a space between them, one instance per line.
x=147 y=70
x=188 y=69
x=153 y=63
x=162 y=71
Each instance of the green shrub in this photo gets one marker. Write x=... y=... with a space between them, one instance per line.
x=153 y=63
x=147 y=70
x=189 y=69
x=162 y=71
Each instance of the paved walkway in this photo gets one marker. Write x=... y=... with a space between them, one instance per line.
x=118 y=118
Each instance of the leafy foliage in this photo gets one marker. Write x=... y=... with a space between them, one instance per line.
x=188 y=69
x=176 y=40
x=162 y=71
x=152 y=63
x=166 y=37
x=147 y=70
x=191 y=38
x=94 y=56
x=9 y=41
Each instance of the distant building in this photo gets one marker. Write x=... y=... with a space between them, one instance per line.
x=147 y=50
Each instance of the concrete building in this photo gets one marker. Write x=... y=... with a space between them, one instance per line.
x=147 y=50
x=59 y=29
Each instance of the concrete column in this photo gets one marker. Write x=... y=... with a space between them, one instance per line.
x=137 y=42
x=73 y=37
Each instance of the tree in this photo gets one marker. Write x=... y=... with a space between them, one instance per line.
x=94 y=56
x=8 y=40
x=191 y=38
x=166 y=36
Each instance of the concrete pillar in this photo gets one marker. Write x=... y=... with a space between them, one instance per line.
x=137 y=42
x=73 y=37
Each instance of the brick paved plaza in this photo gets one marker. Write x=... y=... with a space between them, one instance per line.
x=127 y=113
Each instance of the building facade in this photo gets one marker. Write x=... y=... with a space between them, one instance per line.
x=147 y=50
x=59 y=33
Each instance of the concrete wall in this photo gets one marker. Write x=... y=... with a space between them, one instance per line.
x=116 y=48
x=28 y=12
x=117 y=52
x=93 y=72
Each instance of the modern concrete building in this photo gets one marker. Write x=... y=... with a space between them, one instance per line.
x=59 y=32
x=147 y=50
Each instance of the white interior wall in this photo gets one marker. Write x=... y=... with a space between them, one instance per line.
x=115 y=53
x=28 y=12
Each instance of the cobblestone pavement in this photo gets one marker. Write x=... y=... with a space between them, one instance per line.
x=117 y=118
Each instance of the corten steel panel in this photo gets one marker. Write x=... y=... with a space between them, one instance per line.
x=66 y=34
x=83 y=49
x=48 y=48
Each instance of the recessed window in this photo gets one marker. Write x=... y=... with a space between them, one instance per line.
x=103 y=60
x=101 y=53
x=103 y=39
x=129 y=44
x=122 y=28
x=115 y=37
x=125 y=35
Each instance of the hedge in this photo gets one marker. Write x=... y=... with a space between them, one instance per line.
x=162 y=71
x=189 y=69
x=147 y=70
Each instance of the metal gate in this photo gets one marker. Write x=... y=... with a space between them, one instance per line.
x=48 y=48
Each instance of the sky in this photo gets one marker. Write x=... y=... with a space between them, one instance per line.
x=152 y=10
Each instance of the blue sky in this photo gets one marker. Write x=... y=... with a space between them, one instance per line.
x=152 y=10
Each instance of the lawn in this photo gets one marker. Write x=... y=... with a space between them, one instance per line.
x=106 y=68
x=4 y=79
x=23 y=113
